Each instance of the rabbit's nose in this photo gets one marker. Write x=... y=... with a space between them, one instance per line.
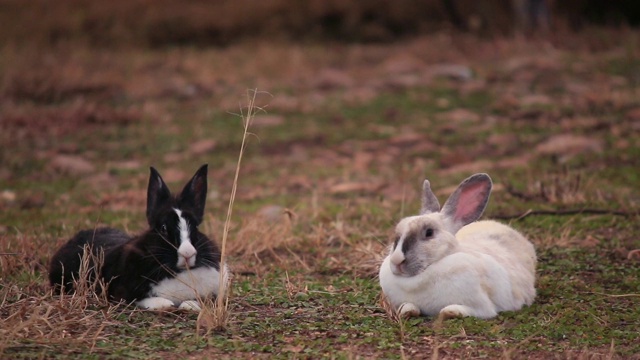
x=190 y=260
x=397 y=257
x=398 y=269
x=186 y=250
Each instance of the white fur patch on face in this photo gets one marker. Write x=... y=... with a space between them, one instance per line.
x=397 y=258
x=186 y=251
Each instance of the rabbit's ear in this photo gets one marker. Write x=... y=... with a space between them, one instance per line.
x=158 y=194
x=468 y=202
x=430 y=202
x=194 y=194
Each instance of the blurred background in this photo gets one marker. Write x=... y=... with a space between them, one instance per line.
x=156 y=23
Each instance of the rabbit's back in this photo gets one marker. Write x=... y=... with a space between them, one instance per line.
x=509 y=248
x=65 y=263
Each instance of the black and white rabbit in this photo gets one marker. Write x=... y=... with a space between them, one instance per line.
x=445 y=262
x=171 y=264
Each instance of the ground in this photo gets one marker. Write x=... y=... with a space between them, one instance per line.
x=343 y=137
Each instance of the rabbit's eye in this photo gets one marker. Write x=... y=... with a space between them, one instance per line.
x=163 y=229
x=428 y=233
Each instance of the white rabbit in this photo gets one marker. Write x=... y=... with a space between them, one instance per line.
x=443 y=262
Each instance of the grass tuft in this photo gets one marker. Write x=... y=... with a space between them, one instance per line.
x=259 y=236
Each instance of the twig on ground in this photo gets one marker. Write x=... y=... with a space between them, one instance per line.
x=612 y=295
x=564 y=212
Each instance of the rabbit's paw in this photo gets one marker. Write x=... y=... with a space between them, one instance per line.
x=455 y=311
x=191 y=305
x=155 y=303
x=407 y=310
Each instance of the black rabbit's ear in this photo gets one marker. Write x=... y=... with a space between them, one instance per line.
x=158 y=194
x=194 y=194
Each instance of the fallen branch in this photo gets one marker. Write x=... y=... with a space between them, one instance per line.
x=611 y=295
x=565 y=212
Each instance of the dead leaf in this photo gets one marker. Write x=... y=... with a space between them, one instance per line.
x=127 y=165
x=267 y=120
x=402 y=82
x=360 y=187
x=468 y=167
x=401 y=63
x=407 y=139
x=293 y=348
x=284 y=103
x=202 y=147
x=172 y=158
x=360 y=95
x=8 y=196
x=535 y=100
x=633 y=114
x=173 y=175
x=101 y=181
x=33 y=201
x=71 y=164
x=271 y=213
x=451 y=71
x=589 y=242
x=329 y=79
x=460 y=115
x=568 y=145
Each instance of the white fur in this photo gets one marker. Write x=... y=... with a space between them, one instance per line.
x=187 y=253
x=155 y=303
x=485 y=268
x=199 y=283
x=191 y=305
x=480 y=278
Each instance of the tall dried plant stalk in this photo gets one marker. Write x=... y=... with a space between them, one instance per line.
x=217 y=317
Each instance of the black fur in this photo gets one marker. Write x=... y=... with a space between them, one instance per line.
x=132 y=265
x=65 y=264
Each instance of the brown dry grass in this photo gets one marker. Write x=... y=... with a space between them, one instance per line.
x=259 y=237
x=66 y=321
x=80 y=318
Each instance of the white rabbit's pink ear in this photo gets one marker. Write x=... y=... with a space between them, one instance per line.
x=468 y=202
x=430 y=203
